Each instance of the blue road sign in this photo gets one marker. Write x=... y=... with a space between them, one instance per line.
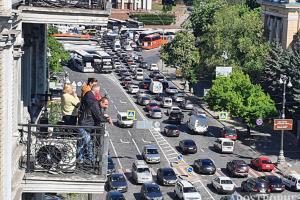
x=259 y=122
x=180 y=157
x=131 y=114
x=189 y=169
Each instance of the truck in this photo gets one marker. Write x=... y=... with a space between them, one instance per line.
x=156 y=87
x=198 y=124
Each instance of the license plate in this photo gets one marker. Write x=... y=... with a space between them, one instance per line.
x=191 y=148
x=267 y=166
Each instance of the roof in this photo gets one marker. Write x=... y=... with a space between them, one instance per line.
x=224 y=178
x=186 y=183
x=223 y=139
x=150 y=146
x=140 y=163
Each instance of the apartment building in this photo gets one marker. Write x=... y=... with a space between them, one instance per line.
x=133 y=4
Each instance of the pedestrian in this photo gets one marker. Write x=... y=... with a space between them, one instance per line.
x=88 y=86
x=89 y=115
x=69 y=105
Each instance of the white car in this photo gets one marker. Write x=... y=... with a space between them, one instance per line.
x=185 y=190
x=141 y=172
x=133 y=89
x=173 y=109
x=117 y=65
x=153 y=67
x=139 y=77
x=123 y=120
x=223 y=184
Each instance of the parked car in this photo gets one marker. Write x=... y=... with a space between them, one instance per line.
x=166 y=176
x=141 y=172
x=158 y=77
x=255 y=187
x=237 y=168
x=123 y=120
x=151 y=191
x=223 y=184
x=275 y=183
x=185 y=190
x=204 y=166
x=111 y=168
x=187 y=146
x=292 y=181
x=143 y=100
x=153 y=67
x=152 y=105
x=115 y=195
x=150 y=154
x=139 y=77
x=262 y=163
x=155 y=113
x=186 y=104
x=171 y=130
x=178 y=97
x=117 y=181
x=167 y=102
x=229 y=132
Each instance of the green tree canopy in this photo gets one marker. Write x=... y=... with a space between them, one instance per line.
x=237 y=95
x=183 y=53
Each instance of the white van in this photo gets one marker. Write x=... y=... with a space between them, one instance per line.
x=123 y=121
x=117 y=45
x=224 y=145
x=156 y=87
x=197 y=124
x=292 y=181
x=167 y=102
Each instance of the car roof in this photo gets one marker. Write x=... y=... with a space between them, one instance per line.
x=140 y=163
x=166 y=169
x=224 y=178
x=225 y=139
x=115 y=193
x=150 y=146
x=188 y=140
x=122 y=114
x=117 y=174
x=186 y=183
x=150 y=184
x=264 y=158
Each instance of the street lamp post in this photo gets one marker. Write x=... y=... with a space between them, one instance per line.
x=283 y=80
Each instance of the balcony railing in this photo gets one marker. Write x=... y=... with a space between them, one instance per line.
x=85 y=4
x=62 y=149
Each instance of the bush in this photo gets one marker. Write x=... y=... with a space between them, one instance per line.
x=153 y=19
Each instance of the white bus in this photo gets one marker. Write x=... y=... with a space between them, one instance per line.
x=82 y=60
x=134 y=24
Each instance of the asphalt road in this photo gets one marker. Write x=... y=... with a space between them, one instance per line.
x=125 y=144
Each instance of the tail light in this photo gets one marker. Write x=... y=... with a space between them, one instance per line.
x=269 y=190
x=255 y=190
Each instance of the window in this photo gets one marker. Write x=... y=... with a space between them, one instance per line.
x=189 y=190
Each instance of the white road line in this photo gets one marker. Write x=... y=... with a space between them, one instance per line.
x=153 y=172
x=229 y=177
x=172 y=154
x=105 y=91
x=114 y=149
x=115 y=107
x=126 y=142
x=170 y=150
x=111 y=101
x=129 y=133
x=123 y=101
x=201 y=150
x=145 y=141
x=136 y=146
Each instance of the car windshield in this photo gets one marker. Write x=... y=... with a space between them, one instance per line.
x=172 y=127
x=189 y=143
x=116 y=178
x=151 y=189
x=152 y=104
x=124 y=118
x=227 y=143
x=189 y=189
x=274 y=180
x=169 y=173
x=152 y=151
x=142 y=169
x=176 y=109
x=156 y=110
x=226 y=182
x=115 y=197
x=145 y=98
x=230 y=131
x=207 y=162
x=266 y=161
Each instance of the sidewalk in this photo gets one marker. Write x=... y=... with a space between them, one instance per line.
x=263 y=140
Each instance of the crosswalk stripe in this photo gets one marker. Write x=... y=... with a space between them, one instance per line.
x=120 y=171
x=153 y=172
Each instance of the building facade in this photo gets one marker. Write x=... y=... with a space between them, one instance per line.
x=281 y=19
x=133 y=4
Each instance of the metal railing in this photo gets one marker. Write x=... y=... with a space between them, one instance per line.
x=60 y=149
x=86 y=4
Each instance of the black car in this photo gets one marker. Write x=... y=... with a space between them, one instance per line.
x=255 y=187
x=115 y=195
x=166 y=176
x=158 y=77
x=151 y=191
x=237 y=168
x=204 y=166
x=144 y=65
x=117 y=181
x=275 y=183
x=160 y=96
x=188 y=146
x=176 y=117
x=110 y=166
x=172 y=130
x=153 y=74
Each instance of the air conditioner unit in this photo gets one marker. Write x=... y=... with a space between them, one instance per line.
x=58 y=154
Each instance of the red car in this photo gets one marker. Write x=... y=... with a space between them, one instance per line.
x=229 y=132
x=151 y=105
x=262 y=163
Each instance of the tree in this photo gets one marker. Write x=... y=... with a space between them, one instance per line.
x=183 y=53
x=238 y=31
x=237 y=95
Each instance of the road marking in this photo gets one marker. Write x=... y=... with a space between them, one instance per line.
x=115 y=107
x=145 y=141
x=111 y=101
x=170 y=150
x=201 y=150
x=153 y=172
x=123 y=101
x=228 y=177
x=129 y=133
x=114 y=149
x=172 y=154
x=136 y=146
x=126 y=142
x=105 y=91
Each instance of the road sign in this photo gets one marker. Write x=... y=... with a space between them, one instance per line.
x=189 y=169
x=223 y=115
x=259 y=122
x=283 y=124
x=180 y=157
x=131 y=114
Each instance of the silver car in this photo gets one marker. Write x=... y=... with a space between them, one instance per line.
x=179 y=97
x=141 y=172
x=156 y=113
x=151 y=154
x=187 y=105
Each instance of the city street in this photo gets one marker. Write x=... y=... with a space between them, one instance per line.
x=126 y=144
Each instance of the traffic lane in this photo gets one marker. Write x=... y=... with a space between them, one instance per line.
x=151 y=56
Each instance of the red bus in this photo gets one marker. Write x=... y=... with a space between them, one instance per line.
x=153 y=41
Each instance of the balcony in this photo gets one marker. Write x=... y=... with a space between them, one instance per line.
x=51 y=159
x=86 y=12
x=280 y=3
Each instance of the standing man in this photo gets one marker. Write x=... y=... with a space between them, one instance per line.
x=89 y=115
x=88 y=86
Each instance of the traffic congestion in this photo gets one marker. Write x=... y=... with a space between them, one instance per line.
x=169 y=127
